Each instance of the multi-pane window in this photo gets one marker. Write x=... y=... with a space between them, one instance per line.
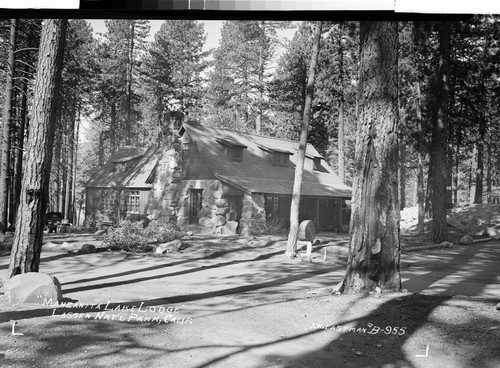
x=185 y=150
x=272 y=206
x=196 y=200
x=107 y=200
x=133 y=201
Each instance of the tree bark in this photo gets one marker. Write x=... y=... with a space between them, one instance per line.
x=374 y=249
x=420 y=170
x=20 y=148
x=6 y=127
x=341 y=133
x=402 y=178
x=28 y=237
x=440 y=140
x=291 y=247
x=478 y=193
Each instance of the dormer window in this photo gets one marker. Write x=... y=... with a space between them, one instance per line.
x=233 y=148
x=277 y=157
x=120 y=167
x=236 y=153
x=280 y=158
x=317 y=163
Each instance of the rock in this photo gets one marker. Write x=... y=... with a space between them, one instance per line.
x=230 y=228
x=498 y=306
x=189 y=233
x=33 y=287
x=219 y=221
x=447 y=244
x=246 y=232
x=87 y=248
x=160 y=250
x=307 y=230
x=171 y=247
x=205 y=221
x=466 y=240
x=221 y=202
x=222 y=210
x=53 y=248
x=99 y=233
x=494 y=232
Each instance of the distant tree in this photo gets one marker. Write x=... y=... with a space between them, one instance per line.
x=172 y=73
x=374 y=245
x=28 y=236
x=6 y=129
x=291 y=248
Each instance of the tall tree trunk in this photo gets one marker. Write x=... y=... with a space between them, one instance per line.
x=20 y=150
x=440 y=139
x=472 y=170
x=291 y=247
x=420 y=170
x=488 y=172
x=6 y=128
x=69 y=174
x=28 y=237
x=374 y=248
x=402 y=178
x=341 y=133
x=478 y=194
x=130 y=68
x=456 y=171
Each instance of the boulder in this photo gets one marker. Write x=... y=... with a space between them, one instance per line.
x=160 y=250
x=171 y=247
x=87 y=248
x=230 y=228
x=466 y=240
x=447 y=244
x=205 y=221
x=189 y=233
x=99 y=233
x=53 y=248
x=32 y=287
x=219 y=220
x=246 y=232
x=498 y=306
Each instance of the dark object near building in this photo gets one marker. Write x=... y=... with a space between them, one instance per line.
x=53 y=220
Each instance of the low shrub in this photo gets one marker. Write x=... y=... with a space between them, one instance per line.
x=135 y=237
x=276 y=225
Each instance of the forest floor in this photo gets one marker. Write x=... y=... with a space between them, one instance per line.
x=238 y=302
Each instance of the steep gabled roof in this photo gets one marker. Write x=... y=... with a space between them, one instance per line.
x=140 y=163
x=255 y=173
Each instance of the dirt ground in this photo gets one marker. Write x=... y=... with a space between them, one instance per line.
x=238 y=302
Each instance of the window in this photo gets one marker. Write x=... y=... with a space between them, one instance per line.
x=107 y=200
x=272 y=206
x=195 y=205
x=185 y=151
x=133 y=201
x=234 y=148
x=317 y=163
x=236 y=153
x=280 y=158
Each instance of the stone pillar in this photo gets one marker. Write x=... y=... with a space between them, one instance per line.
x=253 y=215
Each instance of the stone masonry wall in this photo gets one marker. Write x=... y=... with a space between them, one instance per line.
x=253 y=215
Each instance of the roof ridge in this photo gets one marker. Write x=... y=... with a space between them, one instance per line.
x=244 y=133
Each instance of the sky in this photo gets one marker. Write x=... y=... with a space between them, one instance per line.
x=212 y=29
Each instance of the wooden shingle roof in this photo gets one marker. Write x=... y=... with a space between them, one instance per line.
x=138 y=165
x=255 y=173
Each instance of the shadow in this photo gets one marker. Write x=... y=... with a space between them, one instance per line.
x=462 y=268
x=41 y=312
x=214 y=255
x=44 y=259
